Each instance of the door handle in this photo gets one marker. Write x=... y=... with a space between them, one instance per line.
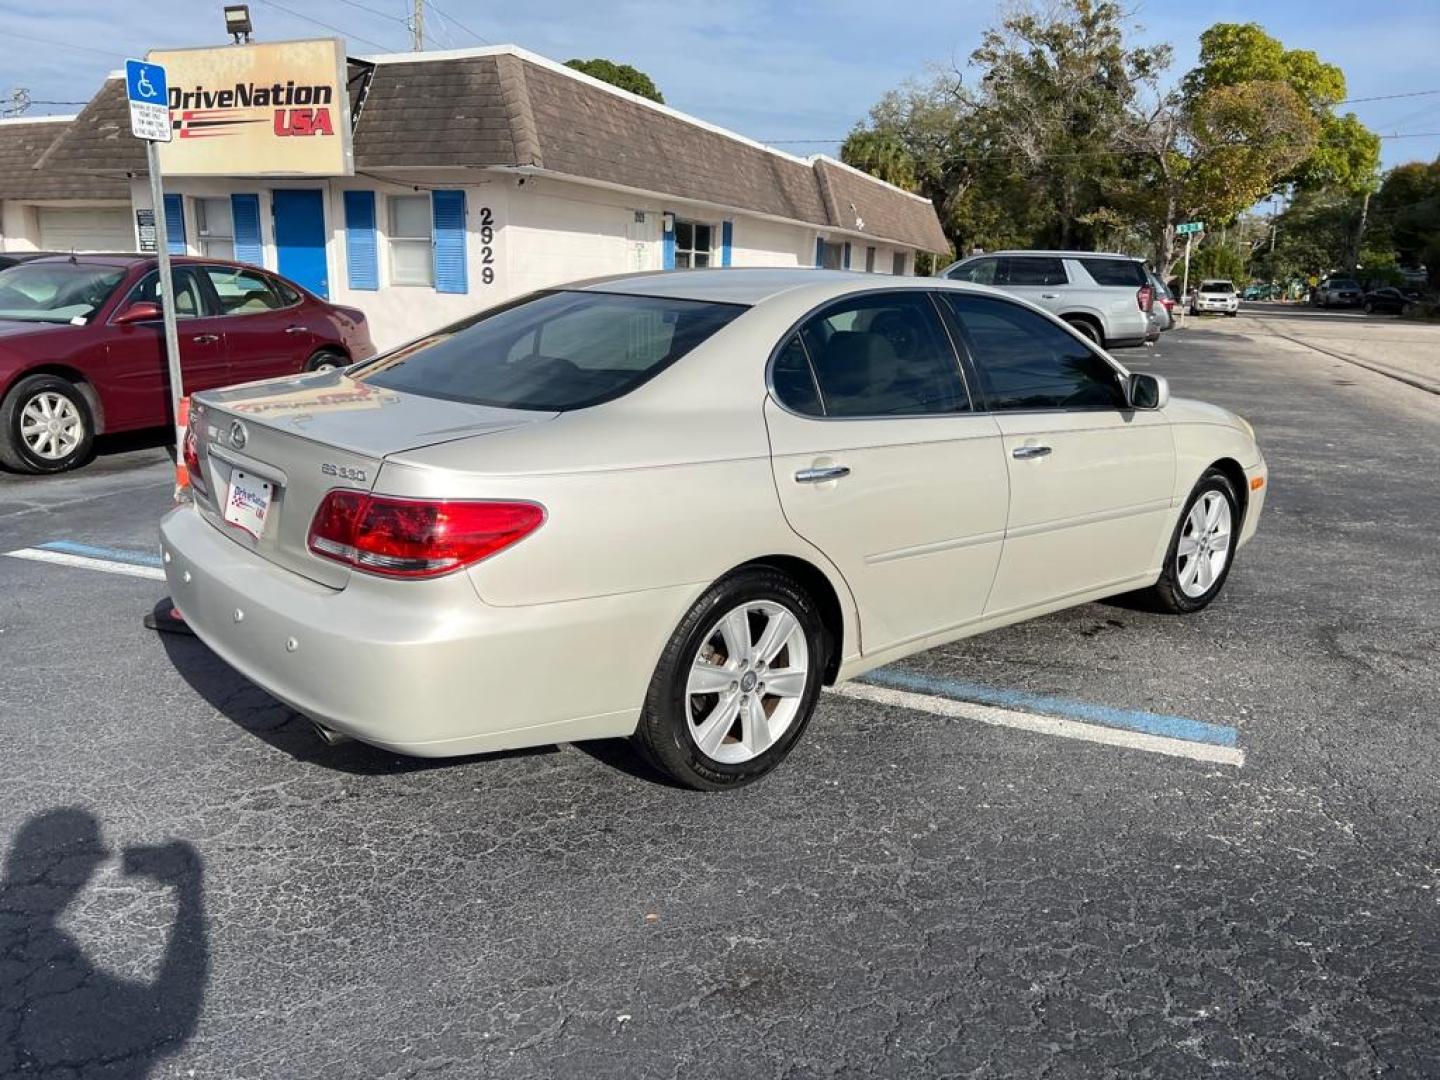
x=295 y=329
x=1049 y=296
x=1023 y=452
x=205 y=339
x=820 y=474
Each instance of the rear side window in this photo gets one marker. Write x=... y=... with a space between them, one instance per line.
x=1116 y=272
x=1027 y=362
x=1031 y=270
x=552 y=351
x=883 y=354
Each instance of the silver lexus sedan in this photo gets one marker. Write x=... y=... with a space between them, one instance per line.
x=674 y=506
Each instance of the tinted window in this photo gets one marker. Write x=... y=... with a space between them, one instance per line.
x=794 y=381
x=1217 y=287
x=552 y=350
x=884 y=355
x=242 y=292
x=1028 y=362
x=981 y=271
x=1343 y=283
x=189 y=301
x=1116 y=272
x=1032 y=270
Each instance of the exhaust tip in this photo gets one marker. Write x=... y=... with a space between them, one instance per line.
x=329 y=736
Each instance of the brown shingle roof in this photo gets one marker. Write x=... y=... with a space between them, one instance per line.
x=22 y=143
x=509 y=108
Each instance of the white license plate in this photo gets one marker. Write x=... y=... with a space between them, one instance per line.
x=248 y=503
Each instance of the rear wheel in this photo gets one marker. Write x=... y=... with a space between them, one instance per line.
x=1369 y=307
x=1202 y=548
x=1089 y=330
x=326 y=360
x=45 y=426
x=737 y=682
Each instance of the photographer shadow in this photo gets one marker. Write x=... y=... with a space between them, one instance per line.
x=59 y=1012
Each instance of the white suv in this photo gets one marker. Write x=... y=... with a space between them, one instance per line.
x=1215 y=294
x=1106 y=297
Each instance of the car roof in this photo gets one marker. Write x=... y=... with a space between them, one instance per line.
x=1058 y=254
x=130 y=258
x=743 y=285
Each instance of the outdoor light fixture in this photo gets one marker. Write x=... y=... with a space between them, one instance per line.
x=237 y=22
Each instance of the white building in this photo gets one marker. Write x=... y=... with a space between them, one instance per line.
x=483 y=174
x=48 y=212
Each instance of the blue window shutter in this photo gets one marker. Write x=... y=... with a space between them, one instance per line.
x=819 y=252
x=847 y=254
x=669 y=241
x=362 y=249
x=448 y=211
x=727 y=238
x=175 y=224
x=245 y=213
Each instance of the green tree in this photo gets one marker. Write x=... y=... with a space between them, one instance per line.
x=621 y=75
x=1406 y=216
x=881 y=154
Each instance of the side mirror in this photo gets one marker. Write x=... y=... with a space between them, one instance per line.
x=140 y=311
x=1147 y=391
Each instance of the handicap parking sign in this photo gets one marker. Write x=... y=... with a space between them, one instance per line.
x=149 y=96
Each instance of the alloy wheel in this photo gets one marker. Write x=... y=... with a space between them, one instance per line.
x=746 y=682
x=51 y=426
x=1204 y=546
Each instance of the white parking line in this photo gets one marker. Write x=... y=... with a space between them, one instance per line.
x=85 y=562
x=1042 y=725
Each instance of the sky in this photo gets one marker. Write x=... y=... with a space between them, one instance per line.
x=795 y=73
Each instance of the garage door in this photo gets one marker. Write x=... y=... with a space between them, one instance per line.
x=86 y=230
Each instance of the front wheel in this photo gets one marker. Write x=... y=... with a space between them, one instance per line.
x=737 y=682
x=1202 y=548
x=45 y=426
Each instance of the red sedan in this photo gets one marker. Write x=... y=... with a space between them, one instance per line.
x=82 y=346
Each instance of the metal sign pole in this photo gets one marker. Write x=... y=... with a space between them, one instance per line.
x=1185 y=286
x=167 y=293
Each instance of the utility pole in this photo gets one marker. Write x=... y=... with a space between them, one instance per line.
x=417 y=27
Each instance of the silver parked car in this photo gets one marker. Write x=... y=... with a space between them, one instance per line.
x=1106 y=297
x=674 y=506
x=1337 y=292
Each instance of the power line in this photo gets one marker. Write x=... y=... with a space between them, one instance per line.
x=61 y=45
x=377 y=12
x=327 y=26
x=1388 y=97
x=456 y=22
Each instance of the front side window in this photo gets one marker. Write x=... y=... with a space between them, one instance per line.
x=552 y=351
x=1028 y=362
x=694 y=243
x=56 y=292
x=412 y=246
x=215 y=227
x=189 y=301
x=978 y=272
x=242 y=292
x=885 y=354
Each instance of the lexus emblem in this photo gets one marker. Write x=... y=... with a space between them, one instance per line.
x=238 y=435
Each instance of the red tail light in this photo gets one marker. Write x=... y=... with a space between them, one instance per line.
x=192 y=454
x=1145 y=297
x=416 y=538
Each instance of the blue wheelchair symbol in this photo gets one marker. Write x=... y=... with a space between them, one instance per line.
x=143 y=86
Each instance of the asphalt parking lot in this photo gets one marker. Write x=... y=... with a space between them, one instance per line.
x=911 y=894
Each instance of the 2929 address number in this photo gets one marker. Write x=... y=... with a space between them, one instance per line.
x=487 y=246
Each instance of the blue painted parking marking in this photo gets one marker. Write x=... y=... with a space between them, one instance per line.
x=109 y=554
x=1171 y=727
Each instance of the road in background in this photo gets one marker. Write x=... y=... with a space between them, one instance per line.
x=910 y=894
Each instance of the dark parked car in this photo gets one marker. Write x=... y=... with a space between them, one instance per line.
x=1390 y=300
x=82 y=345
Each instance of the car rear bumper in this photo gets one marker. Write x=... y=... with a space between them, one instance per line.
x=420 y=667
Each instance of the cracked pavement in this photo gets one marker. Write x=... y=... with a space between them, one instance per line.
x=907 y=896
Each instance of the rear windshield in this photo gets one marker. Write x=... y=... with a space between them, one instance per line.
x=1217 y=286
x=551 y=351
x=1116 y=272
x=62 y=292
x=1344 y=283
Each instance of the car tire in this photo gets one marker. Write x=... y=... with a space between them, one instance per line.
x=1232 y=314
x=326 y=360
x=713 y=739
x=1183 y=586
x=45 y=426
x=1088 y=330
x=1368 y=308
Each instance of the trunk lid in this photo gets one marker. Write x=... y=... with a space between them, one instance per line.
x=308 y=435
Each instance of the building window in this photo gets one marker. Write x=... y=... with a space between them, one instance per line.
x=215 y=228
x=899 y=267
x=412 y=246
x=869 y=260
x=693 y=245
x=832 y=255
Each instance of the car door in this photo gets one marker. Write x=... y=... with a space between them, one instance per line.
x=1040 y=279
x=135 y=360
x=263 y=334
x=1091 y=480
x=882 y=464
